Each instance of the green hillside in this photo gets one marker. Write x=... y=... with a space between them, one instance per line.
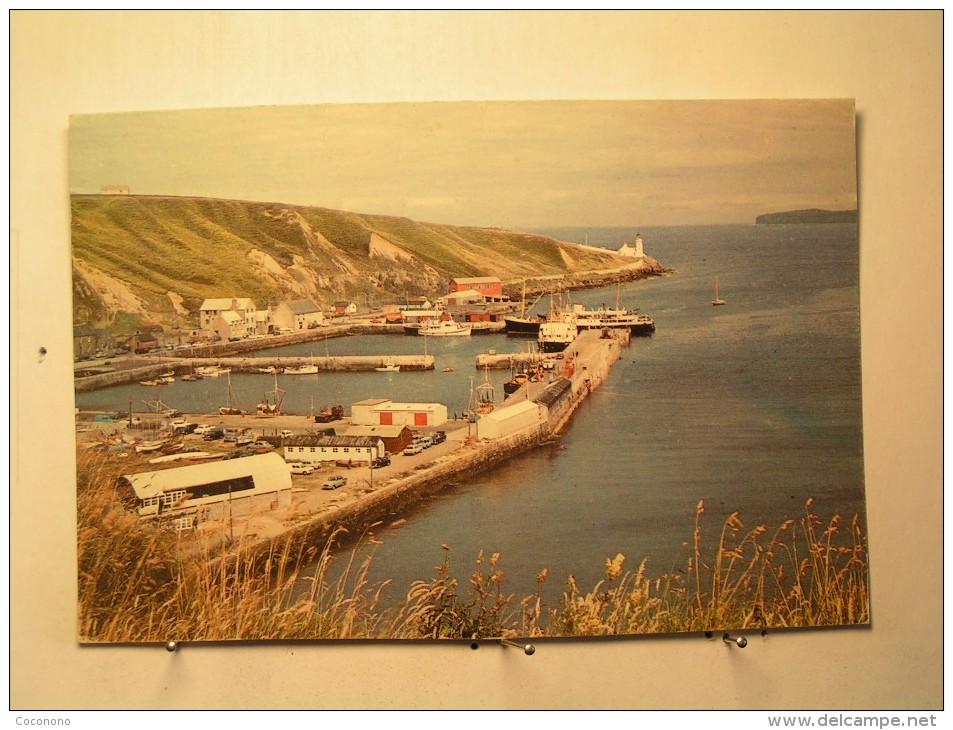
x=154 y=251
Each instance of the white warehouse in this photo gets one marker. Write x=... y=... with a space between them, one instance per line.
x=509 y=420
x=383 y=412
x=209 y=491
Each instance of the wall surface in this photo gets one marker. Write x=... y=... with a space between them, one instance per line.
x=65 y=63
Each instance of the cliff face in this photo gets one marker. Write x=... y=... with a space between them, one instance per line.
x=811 y=215
x=158 y=258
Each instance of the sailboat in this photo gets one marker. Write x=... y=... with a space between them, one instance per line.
x=717 y=301
x=311 y=369
x=230 y=409
x=191 y=375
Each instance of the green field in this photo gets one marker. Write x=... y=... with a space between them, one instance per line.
x=201 y=247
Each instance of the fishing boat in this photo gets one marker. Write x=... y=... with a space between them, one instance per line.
x=480 y=401
x=271 y=404
x=302 y=370
x=717 y=301
x=311 y=369
x=445 y=328
x=515 y=383
x=162 y=409
x=191 y=375
x=231 y=409
x=150 y=383
x=212 y=371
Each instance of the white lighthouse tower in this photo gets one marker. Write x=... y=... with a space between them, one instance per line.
x=635 y=252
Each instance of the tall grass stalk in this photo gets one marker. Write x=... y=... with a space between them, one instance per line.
x=137 y=583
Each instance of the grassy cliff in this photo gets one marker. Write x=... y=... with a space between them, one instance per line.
x=158 y=257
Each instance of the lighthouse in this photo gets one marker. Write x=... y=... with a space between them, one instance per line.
x=639 y=253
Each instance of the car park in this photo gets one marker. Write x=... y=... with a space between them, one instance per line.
x=334 y=482
x=298 y=467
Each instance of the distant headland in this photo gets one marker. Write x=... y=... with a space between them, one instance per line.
x=811 y=215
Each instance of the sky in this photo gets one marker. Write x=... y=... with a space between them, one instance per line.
x=515 y=165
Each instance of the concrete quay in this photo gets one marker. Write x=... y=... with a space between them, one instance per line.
x=330 y=364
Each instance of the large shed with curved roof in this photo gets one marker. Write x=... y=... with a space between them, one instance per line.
x=210 y=490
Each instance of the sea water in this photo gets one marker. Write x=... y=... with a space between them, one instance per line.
x=752 y=407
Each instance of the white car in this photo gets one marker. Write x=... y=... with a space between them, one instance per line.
x=334 y=482
x=413 y=449
x=298 y=467
x=285 y=433
x=204 y=429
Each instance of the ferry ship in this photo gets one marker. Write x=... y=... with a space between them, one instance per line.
x=556 y=335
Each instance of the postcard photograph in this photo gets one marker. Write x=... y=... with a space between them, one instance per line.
x=467 y=371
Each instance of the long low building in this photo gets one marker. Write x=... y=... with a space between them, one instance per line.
x=384 y=412
x=314 y=448
x=512 y=419
x=395 y=438
x=208 y=491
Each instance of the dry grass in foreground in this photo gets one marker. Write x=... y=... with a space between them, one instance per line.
x=136 y=585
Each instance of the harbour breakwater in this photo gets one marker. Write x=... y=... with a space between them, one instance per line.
x=181 y=366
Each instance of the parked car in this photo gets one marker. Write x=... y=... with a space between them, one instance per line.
x=381 y=461
x=261 y=445
x=439 y=437
x=413 y=449
x=334 y=482
x=424 y=442
x=298 y=467
x=203 y=429
x=286 y=433
x=214 y=434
